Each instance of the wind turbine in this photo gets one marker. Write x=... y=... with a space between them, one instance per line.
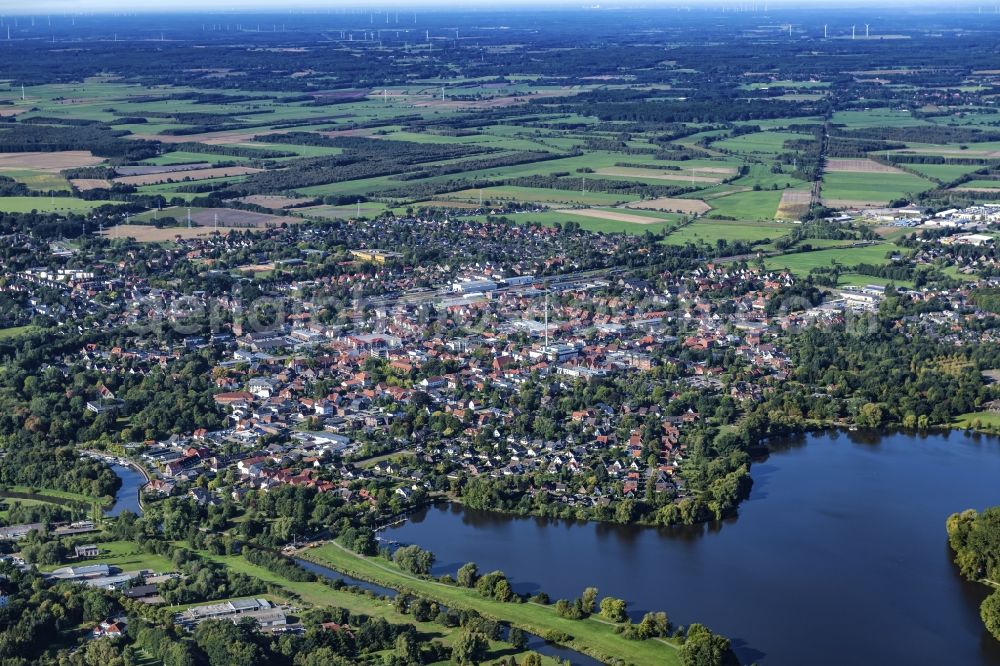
x=852 y=32
x=824 y=31
x=866 y=31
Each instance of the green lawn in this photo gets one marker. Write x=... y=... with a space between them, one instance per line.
x=592 y=635
x=988 y=420
x=17 y=331
x=127 y=556
x=58 y=494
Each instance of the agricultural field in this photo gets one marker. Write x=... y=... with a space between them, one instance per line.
x=61 y=205
x=863 y=189
x=761 y=205
x=793 y=204
x=711 y=231
x=759 y=143
x=802 y=262
x=943 y=172
x=209 y=217
x=597 y=220
x=537 y=195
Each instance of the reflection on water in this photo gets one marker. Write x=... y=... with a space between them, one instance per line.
x=839 y=556
x=127 y=497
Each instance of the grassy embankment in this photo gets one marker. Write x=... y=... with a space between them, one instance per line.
x=593 y=636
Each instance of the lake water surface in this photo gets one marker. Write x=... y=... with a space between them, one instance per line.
x=839 y=556
x=127 y=497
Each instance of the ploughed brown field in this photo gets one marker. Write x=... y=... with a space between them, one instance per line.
x=54 y=161
x=84 y=184
x=794 y=204
x=610 y=215
x=274 y=200
x=859 y=165
x=193 y=174
x=686 y=206
x=148 y=234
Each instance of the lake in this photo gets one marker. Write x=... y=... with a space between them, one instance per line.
x=839 y=555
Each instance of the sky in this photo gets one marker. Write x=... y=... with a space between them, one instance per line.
x=39 y=7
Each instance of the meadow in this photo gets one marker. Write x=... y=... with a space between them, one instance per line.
x=872 y=188
x=710 y=231
x=802 y=262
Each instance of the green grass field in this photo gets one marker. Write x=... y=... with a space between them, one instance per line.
x=710 y=231
x=48 y=205
x=762 y=205
x=127 y=556
x=184 y=157
x=983 y=184
x=539 y=195
x=881 y=187
x=943 y=172
x=58 y=494
x=801 y=263
x=17 y=331
x=592 y=636
x=39 y=181
x=550 y=218
x=882 y=117
x=986 y=420
x=759 y=142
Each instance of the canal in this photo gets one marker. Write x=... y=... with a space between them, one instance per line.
x=127 y=497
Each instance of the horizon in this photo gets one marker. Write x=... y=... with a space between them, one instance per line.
x=71 y=7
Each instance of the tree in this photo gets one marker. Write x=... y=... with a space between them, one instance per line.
x=613 y=609
x=414 y=559
x=654 y=624
x=102 y=653
x=407 y=648
x=532 y=659
x=468 y=574
x=502 y=591
x=470 y=648
x=517 y=638
x=990 y=612
x=869 y=416
x=589 y=600
x=626 y=511
x=703 y=648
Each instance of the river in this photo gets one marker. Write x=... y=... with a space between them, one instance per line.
x=838 y=556
x=127 y=497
